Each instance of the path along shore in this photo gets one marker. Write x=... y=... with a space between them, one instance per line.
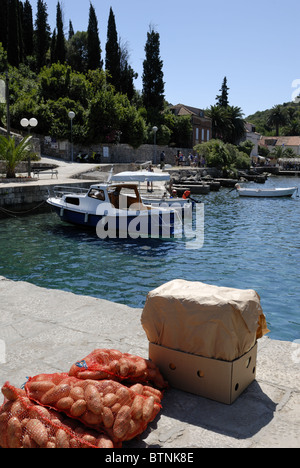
x=46 y=331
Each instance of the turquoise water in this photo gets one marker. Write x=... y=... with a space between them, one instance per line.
x=249 y=243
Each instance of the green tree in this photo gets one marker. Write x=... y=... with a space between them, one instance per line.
x=14 y=36
x=127 y=74
x=60 y=45
x=277 y=118
x=220 y=121
x=4 y=23
x=27 y=29
x=12 y=153
x=94 y=49
x=236 y=129
x=77 y=52
x=153 y=84
x=222 y=99
x=113 y=56
x=42 y=34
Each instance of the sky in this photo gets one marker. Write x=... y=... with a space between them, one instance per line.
x=255 y=44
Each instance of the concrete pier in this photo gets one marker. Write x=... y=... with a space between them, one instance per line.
x=45 y=331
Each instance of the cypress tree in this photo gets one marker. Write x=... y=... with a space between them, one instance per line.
x=94 y=49
x=4 y=23
x=42 y=34
x=27 y=29
x=112 y=58
x=222 y=99
x=13 y=36
x=71 y=31
x=153 y=84
x=60 y=45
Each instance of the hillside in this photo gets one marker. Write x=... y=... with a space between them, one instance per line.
x=289 y=123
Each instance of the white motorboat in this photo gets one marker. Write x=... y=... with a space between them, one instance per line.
x=116 y=210
x=269 y=192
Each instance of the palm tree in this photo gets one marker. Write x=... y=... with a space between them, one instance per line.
x=236 y=131
x=277 y=118
x=220 y=121
x=12 y=153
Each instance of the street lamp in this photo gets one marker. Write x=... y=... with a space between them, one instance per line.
x=29 y=124
x=71 y=117
x=154 y=129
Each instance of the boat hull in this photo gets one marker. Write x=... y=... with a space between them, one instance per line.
x=265 y=193
x=158 y=224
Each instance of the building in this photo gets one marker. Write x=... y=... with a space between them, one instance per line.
x=202 y=125
x=292 y=142
x=252 y=136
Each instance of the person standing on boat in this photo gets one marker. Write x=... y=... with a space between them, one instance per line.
x=162 y=159
x=150 y=184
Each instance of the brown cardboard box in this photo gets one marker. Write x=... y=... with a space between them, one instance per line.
x=222 y=381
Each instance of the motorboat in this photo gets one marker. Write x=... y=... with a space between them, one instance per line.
x=269 y=192
x=150 y=177
x=116 y=210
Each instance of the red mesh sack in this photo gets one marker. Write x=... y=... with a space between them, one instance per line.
x=112 y=364
x=23 y=424
x=105 y=405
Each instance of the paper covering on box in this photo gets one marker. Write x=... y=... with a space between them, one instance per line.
x=209 y=321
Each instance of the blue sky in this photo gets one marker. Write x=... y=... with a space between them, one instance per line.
x=255 y=44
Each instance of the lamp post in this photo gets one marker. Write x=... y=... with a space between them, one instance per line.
x=29 y=124
x=71 y=117
x=154 y=129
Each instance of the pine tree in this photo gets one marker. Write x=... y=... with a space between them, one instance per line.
x=222 y=99
x=60 y=45
x=42 y=34
x=112 y=58
x=153 y=84
x=27 y=29
x=94 y=49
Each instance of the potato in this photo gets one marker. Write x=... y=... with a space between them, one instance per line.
x=107 y=417
x=109 y=400
x=122 y=422
x=78 y=408
x=14 y=433
x=3 y=429
x=37 y=432
x=64 y=404
x=12 y=394
x=62 y=439
x=77 y=393
x=55 y=394
x=93 y=399
x=137 y=407
x=148 y=407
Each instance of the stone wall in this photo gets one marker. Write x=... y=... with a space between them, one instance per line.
x=122 y=153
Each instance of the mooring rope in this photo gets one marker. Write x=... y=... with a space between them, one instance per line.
x=15 y=213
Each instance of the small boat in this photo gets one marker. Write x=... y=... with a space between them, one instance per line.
x=116 y=210
x=270 y=192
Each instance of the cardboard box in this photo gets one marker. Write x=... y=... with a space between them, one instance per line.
x=222 y=381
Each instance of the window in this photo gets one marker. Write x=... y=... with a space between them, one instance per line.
x=202 y=134
x=98 y=194
x=197 y=133
x=207 y=135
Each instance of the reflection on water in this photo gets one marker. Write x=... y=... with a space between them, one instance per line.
x=249 y=243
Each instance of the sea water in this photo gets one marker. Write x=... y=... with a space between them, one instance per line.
x=249 y=243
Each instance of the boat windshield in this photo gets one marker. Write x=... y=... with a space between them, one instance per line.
x=97 y=193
